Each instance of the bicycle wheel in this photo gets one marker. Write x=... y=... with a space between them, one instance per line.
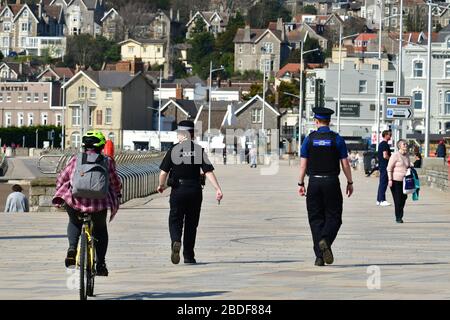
x=84 y=262
x=91 y=269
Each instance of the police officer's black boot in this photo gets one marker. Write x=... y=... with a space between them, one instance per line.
x=319 y=262
x=326 y=251
x=175 y=256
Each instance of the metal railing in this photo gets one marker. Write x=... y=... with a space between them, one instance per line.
x=138 y=171
x=3 y=164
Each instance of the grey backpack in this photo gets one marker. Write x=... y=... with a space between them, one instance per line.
x=91 y=176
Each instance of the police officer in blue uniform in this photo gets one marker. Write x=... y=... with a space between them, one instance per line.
x=182 y=165
x=322 y=154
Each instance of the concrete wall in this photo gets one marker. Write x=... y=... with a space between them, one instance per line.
x=435 y=173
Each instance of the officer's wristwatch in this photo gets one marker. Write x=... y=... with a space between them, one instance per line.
x=348 y=182
x=301 y=184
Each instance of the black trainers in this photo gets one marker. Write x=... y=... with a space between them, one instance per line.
x=175 y=256
x=326 y=251
x=400 y=221
x=101 y=270
x=71 y=258
x=190 y=260
x=319 y=262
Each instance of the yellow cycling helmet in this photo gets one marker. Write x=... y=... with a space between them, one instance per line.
x=94 y=138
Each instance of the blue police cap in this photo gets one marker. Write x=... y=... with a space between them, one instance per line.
x=322 y=113
x=186 y=125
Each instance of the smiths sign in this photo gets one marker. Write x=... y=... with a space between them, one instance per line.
x=14 y=88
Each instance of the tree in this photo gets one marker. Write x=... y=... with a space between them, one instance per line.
x=309 y=9
x=179 y=70
x=311 y=57
x=287 y=101
x=417 y=21
x=266 y=11
x=199 y=26
x=224 y=41
x=200 y=53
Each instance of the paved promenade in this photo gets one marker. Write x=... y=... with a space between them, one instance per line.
x=255 y=245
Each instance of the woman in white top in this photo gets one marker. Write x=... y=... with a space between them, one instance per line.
x=397 y=167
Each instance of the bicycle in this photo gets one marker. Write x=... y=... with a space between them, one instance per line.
x=86 y=258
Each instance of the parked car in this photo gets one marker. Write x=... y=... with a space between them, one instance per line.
x=12 y=54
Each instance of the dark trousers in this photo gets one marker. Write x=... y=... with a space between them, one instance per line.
x=399 y=198
x=185 y=206
x=324 y=204
x=382 y=186
x=100 y=231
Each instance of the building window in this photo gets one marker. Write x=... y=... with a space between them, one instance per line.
x=19 y=97
x=112 y=137
x=257 y=116
x=130 y=50
x=36 y=97
x=58 y=119
x=8 y=119
x=447 y=69
x=389 y=86
x=312 y=85
x=82 y=90
x=20 y=119
x=8 y=97
x=76 y=116
x=99 y=119
x=362 y=86
x=254 y=49
x=108 y=116
x=418 y=100
x=447 y=103
x=268 y=47
x=7 y=27
x=374 y=67
x=28 y=97
x=25 y=13
x=7 y=14
x=30 y=119
x=24 y=27
x=44 y=119
x=1 y=97
x=45 y=97
x=75 y=139
x=448 y=42
x=109 y=94
x=418 y=69
x=240 y=64
x=240 y=48
x=93 y=94
x=5 y=73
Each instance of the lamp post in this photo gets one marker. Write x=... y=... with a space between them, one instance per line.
x=211 y=70
x=300 y=102
x=159 y=110
x=378 y=87
x=339 y=76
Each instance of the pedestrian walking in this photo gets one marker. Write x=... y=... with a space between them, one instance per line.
x=417 y=159
x=181 y=168
x=384 y=153
x=322 y=154
x=441 y=151
x=253 y=157
x=397 y=168
x=17 y=201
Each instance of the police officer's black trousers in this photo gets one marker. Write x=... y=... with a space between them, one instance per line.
x=324 y=204
x=185 y=205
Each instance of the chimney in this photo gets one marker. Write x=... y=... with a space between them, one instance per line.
x=178 y=15
x=171 y=14
x=219 y=82
x=179 y=92
x=40 y=4
x=229 y=83
x=190 y=14
x=136 y=66
x=247 y=33
x=123 y=66
x=280 y=24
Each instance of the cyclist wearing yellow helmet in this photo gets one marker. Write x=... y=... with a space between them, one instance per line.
x=72 y=191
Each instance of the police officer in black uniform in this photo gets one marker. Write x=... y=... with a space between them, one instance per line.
x=322 y=153
x=182 y=165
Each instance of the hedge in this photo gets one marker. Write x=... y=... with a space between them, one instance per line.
x=15 y=134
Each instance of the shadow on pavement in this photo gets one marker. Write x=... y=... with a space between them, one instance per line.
x=256 y=261
x=167 y=295
x=55 y=236
x=392 y=264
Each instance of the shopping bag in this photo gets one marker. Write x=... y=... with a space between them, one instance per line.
x=409 y=186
